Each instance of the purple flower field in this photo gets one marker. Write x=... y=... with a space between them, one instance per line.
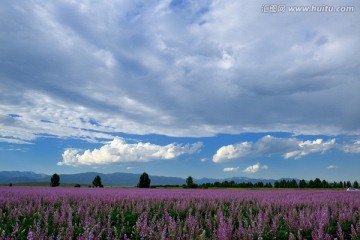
x=120 y=213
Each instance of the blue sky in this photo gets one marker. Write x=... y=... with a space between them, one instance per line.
x=178 y=88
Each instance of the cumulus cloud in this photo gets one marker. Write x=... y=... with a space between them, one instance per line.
x=190 y=69
x=230 y=152
x=252 y=169
x=310 y=147
x=118 y=151
x=269 y=145
x=231 y=169
x=255 y=168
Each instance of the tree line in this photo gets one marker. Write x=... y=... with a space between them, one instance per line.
x=144 y=182
x=283 y=183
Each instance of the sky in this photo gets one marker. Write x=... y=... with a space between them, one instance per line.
x=181 y=88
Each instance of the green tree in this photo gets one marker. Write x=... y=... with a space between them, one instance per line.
x=311 y=184
x=356 y=184
x=324 y=184
x=335 y=184
x=302 y=183
x=283 y=183
x=55 y=180
x=293 y=184
x=317 y=183
x=144 y=181
x=189 y=182
x=97 y=182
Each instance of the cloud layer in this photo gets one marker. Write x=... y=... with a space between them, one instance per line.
x=74 y=69
x=269 y=145
x=118 y=151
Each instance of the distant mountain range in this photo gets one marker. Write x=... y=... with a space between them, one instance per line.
x=111 y=179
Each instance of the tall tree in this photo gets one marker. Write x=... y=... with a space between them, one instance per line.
x=144 y=181
x=317 y=183
x=55 y=180
x=97 y=182
x=356 y=184
x=189 y=182
x=293 y=184
x=302 y=183
x=283 y=183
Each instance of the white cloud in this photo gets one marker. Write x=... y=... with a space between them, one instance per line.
x=269 y=145
x=310 y=147
x=231 y=169
x=255 y=168
x=118 y=151
x=252 y=169
x=9 y=139
x=351 y=148
x=231 y=152
x=332 y=167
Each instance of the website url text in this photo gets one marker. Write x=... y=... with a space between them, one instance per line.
x=282 y=8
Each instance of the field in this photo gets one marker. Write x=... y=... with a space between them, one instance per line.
x=118 y=213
